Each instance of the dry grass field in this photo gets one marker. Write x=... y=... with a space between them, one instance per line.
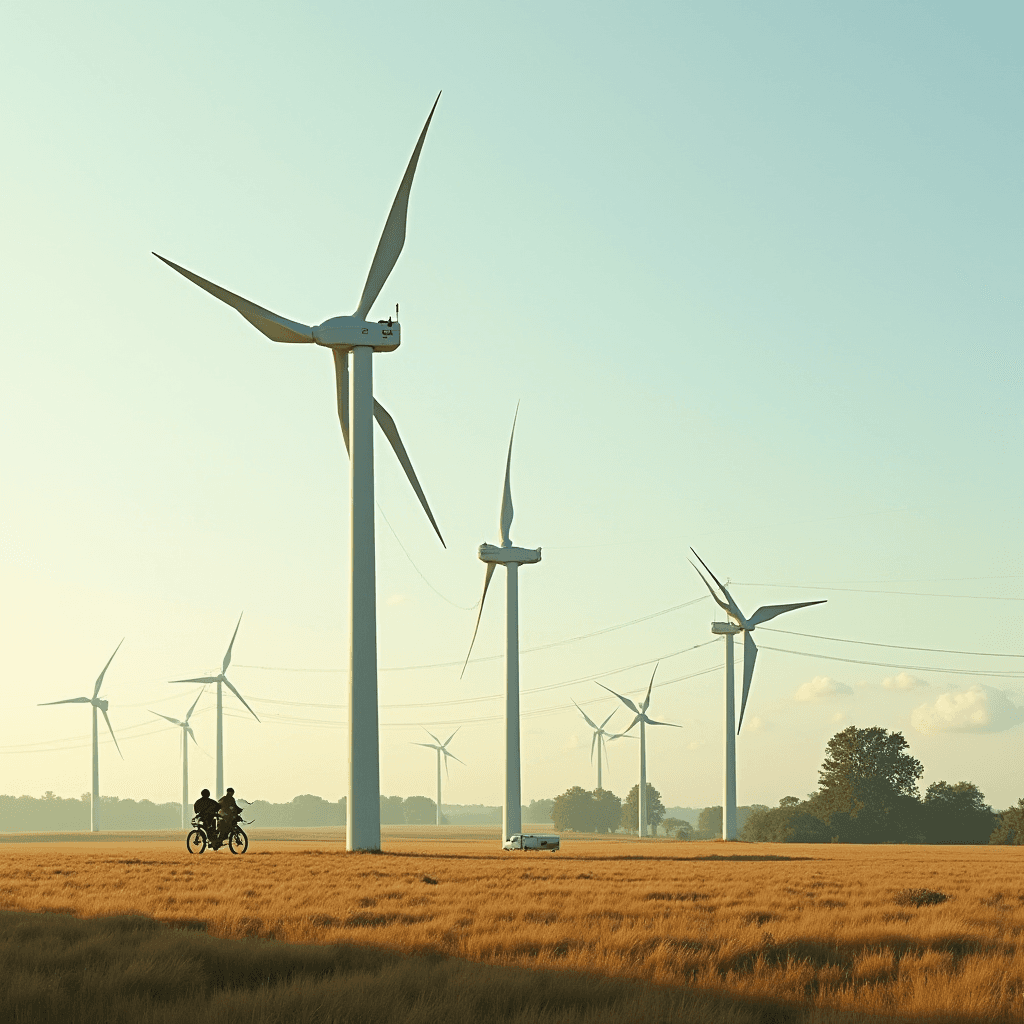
x=609 y=929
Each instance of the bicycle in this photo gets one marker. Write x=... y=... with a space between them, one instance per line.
x=199 y=839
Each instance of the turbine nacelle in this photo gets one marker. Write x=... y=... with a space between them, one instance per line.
x=505 y=555
x=726 y=628
x=348 y=332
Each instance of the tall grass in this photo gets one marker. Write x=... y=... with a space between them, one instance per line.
x=809 y=930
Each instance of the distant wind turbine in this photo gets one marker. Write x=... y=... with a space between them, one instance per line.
x=186 y=731
x=98 y=703
x=441 y=748
x=511 y=557
x=739 y=624
x=641 y=717
x=600 y=739
x=353 y=340
x=222 y=680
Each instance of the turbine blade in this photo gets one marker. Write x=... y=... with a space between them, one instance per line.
x=586 y=717
x=450 y=738
x=393 y=237
x=99 y=681
x=625 y=700
x=619 y=735
x=106 y=718
x=416 y=743
x=593 y=740
x=188 y=729
x=769 y=611
x=174 y=721
x=341 y=381
x=608 y=719
x=227 y=656
x=70 y=700
x=488 y=573
x=227 y=683
x=749 y=657
x=387 y=424
x=275 y=327
x=647 y=699
x=651 y=721
x=191 y=709
x=505 y=523
x=432 y=736
x=454 y=758
x=198 y=679
x=732 y=608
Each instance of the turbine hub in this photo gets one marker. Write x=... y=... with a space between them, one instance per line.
x=347 y=332
x=503 y=556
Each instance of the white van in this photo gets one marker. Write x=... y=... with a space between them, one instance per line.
x=522 y=842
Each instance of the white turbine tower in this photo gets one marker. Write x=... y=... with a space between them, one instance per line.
x=357 y=408
x=739 y=624
x=441 y=748
x=221 y=680
x=641 y=717
x=186 y=731
x=600 y=739
x=98 y=703
x=511 y=557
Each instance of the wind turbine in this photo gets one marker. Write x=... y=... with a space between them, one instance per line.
x=599 y=739
x=641 y=717
x=97 y=702
x=441 y=748
x=739 y=624
x=357 y=408
x=511 y=557
x=221 y=680
x=186 y=731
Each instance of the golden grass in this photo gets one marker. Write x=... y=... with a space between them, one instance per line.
x=819 y=928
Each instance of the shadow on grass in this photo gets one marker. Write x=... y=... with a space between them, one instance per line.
x=120 y=970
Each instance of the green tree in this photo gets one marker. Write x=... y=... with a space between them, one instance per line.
x=607 y=811
x=790 y=822
x=630 y=815
x=391 y=811
x=678 y=828
x=1009 y=830
x=419 y=810
x=868 y=787
x=573 y=810
x=957 y=814
x=709 y=824
x=539 y=810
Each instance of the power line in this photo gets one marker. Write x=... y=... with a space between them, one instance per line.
x=494 y=657
x=896 y=647
x=895 y=593
x=889 y=664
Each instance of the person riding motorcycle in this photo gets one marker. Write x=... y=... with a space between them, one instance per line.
x=206 y=808
x=228 y=813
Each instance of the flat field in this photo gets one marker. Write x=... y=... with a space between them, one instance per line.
x=650 y=930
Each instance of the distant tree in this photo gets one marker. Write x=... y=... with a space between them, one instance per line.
x=956 y=814
x=573 y=810
x=790 y=822
x=607 y=811
x=391 y=810
x=419 y=810
x=1009 y=830
x=630 y=814
x=671 y=824
x=868 y=787
x=684 y=831
x=539 y=810
x=709 y=824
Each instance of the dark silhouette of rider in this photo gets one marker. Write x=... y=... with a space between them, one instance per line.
x=206 y=808
x=229 y=812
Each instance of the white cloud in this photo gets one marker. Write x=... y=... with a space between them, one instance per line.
x=755 y=723
x=822 y=688
x=903 y=681
x=979 y=709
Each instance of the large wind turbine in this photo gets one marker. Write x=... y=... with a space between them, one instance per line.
x=221 y=680
x=511 y=557
x=739 y=624
x=641 y=717
x=599 y=739
x=441 y=748
x=357 y=408
x=97 y=702
x=186 y=731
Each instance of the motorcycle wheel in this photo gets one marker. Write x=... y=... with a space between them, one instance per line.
x=238 y=842
x=196 y=841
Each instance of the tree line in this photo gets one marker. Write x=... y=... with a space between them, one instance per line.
x=867 y=793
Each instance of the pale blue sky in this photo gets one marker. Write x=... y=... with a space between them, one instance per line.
x=754 y=272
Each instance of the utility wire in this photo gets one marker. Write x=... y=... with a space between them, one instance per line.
x=888 y=664
x=895 y=593
x=895 y=647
